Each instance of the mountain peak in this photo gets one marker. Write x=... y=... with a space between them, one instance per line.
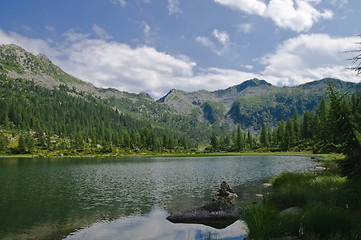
x=255 y=82
x=44 y=59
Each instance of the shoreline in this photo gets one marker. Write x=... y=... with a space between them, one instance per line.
x=165 y=155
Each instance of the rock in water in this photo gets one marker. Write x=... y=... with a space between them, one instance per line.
x=226 y=192
x=219 y=213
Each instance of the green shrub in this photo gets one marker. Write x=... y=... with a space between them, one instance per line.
x=323 y=221
x=290 y=180
x=290 y=223
x=286 y=198
x=262 y=222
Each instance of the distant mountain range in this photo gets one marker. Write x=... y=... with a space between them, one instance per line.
x=251 y=103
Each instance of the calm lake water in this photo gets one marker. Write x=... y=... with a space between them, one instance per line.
x=126 y=198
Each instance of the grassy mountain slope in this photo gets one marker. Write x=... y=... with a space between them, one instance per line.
x=255 y=101
x=196 y=114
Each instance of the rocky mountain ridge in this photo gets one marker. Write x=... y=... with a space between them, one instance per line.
x=251 y=103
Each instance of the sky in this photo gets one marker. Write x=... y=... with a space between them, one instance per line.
x=154 y=46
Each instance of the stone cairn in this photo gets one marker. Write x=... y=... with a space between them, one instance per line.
x=226 y=192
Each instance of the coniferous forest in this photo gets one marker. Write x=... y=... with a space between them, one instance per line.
x=63 y=120
x=58 y=120
x=54 y=120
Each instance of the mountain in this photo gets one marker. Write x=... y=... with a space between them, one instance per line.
x=17 y=63
x=196 y=114
x=254 y=101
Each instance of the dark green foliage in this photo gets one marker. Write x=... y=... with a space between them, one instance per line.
x=240 y=143
x=4 y=142
x=261 y=222
x=214 y=142
x=213 y=111
x=324 y=221
x=307 y=206
x=272 y=106
x=83 y=119
x=264 y=139
x=26 y=143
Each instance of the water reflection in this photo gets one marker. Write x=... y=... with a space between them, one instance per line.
x=69 y=193
x=154 y=226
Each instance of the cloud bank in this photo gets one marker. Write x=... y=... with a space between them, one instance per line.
x=96 y=58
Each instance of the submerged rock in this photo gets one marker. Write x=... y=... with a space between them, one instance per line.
x=219 y=213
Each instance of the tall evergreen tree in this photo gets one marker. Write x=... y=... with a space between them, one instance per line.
x=264 y=137
x=4 y=142
x=307 y=125
x=296 y=127
x=214 y=142
x=239 y=139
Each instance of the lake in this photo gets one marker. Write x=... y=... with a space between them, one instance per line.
x=126 y=198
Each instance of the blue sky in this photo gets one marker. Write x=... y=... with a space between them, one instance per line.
x=156 y=45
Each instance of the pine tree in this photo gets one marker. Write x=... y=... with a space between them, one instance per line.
x=307 y=125
x=296 y=127
x=249 y=140
x=322 y=114
x=344 y=132
x=239 y=139
x=281 y=135
x=290 y=133
x=214 y=142
x=264 y=137
x=30 y=143
x=4 y=142
x=21 y=144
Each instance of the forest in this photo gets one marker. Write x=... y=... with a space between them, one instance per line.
x=333 y=127
x=35 y=119
x=38 y=120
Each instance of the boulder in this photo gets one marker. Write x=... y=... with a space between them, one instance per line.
x=219 y=213
x=292 y=211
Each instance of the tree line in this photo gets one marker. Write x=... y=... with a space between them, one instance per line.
x=62 y=119
x=335 y=126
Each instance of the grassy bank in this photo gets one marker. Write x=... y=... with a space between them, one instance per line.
x=122 y=153
x=316 y=205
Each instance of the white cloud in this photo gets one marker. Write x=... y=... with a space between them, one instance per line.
x=147 y=32
x=107 y=63
x=206 y=42
x=100 y=32
x=245 y=27
x=221 y=36
x=297 y=15
x=173 y=7
x=257 y=7
x=222 y=39
x=112 y=64
x=35 y=46
x=249 y=67
x=122 y=3
x=310 y=57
